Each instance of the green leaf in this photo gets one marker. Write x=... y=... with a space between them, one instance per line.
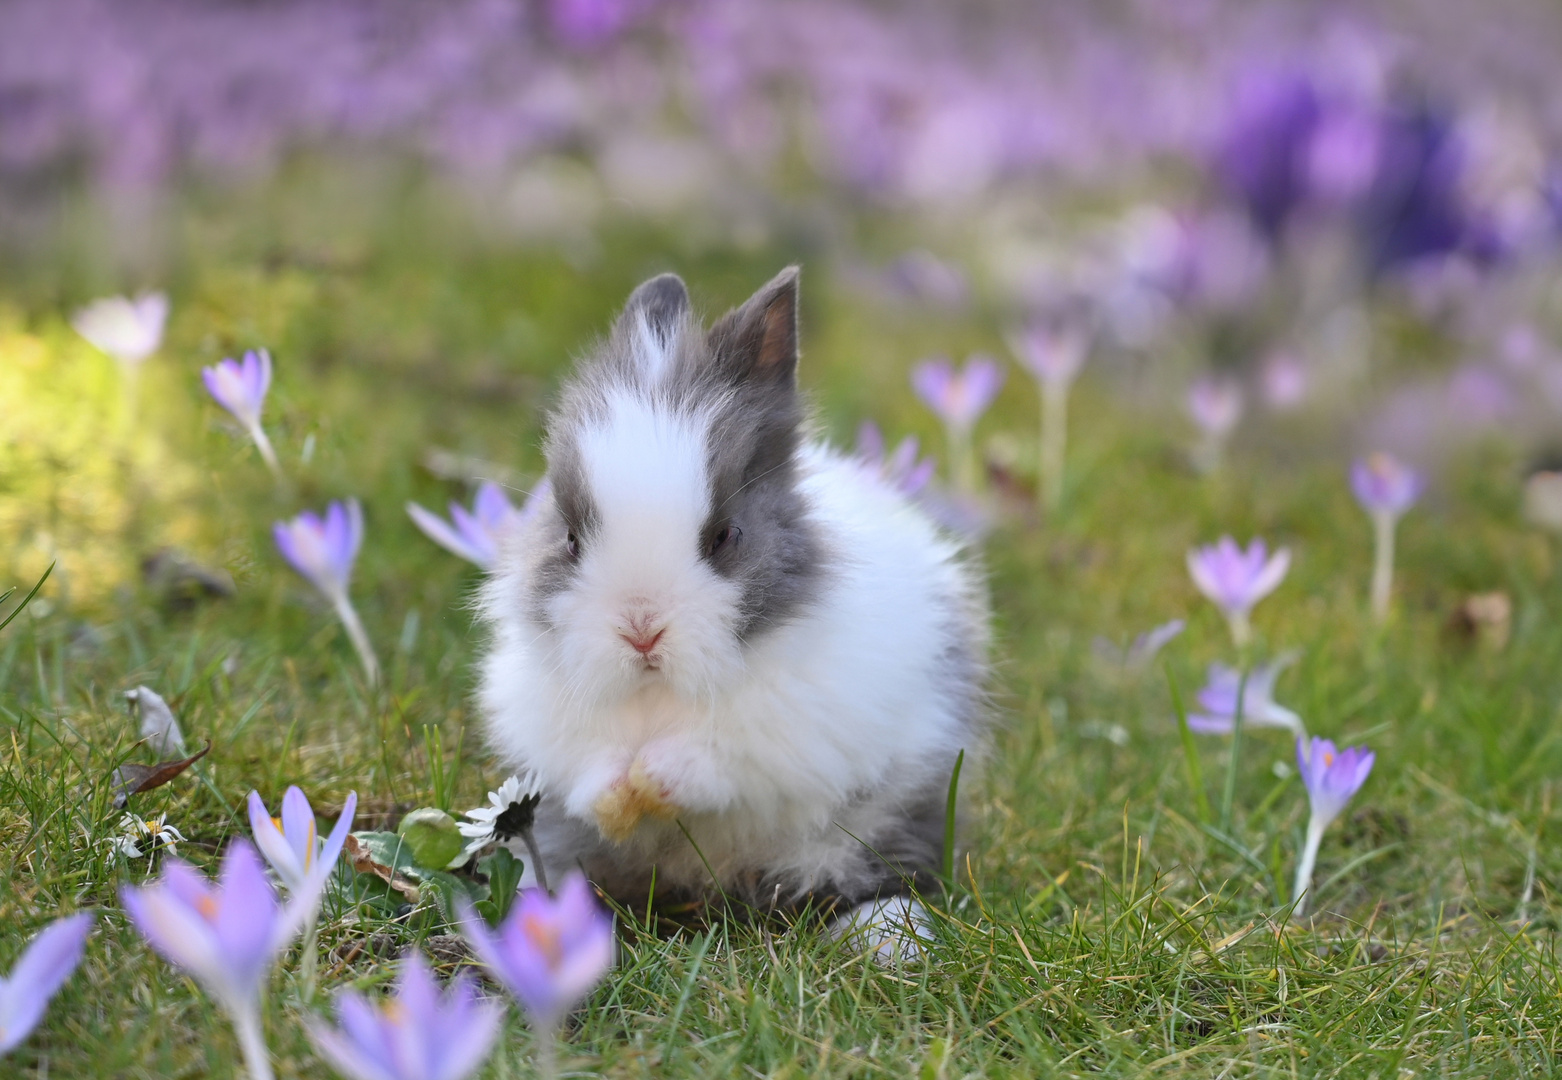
x=432 y=837
x=504 y=881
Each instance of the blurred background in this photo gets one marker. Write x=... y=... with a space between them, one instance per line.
x=1335 y=227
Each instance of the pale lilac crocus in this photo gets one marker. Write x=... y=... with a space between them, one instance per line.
x=420 y=1034
x=1141 y=652
x=1218 y=700
x=38 y=974
x=240 y=387
x=128 y=330
x=904 y=469
x=1215 y=405
x=1053 y=355
x=226 y=937
x=300 y=858
x=1237 y=579
x=959 y=398
x=1331 y=777
x=1385 y=487
x=476 y=535
x=323 y=551
x=548 y=952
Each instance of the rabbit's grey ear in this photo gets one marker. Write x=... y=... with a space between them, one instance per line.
x=758 y=341
x=663 y=301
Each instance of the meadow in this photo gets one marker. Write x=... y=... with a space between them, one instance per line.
x=1123 y=907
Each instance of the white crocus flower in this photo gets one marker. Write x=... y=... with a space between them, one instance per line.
x=128 y=330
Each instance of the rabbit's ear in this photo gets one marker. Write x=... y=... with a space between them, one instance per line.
x=758 y=341
x=662 y=302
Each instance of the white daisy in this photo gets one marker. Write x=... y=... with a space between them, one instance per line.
x=508 y=814
x=136 y=830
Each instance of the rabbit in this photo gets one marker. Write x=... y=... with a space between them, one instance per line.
x=737 y=659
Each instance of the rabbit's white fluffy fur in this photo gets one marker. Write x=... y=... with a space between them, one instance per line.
x=801 y=729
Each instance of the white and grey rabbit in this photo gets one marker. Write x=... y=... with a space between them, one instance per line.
x=726 y=650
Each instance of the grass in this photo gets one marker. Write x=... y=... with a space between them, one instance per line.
x=1107 y=926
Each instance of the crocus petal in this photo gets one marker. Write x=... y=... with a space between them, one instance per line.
x=346 y=1055
x=43 y=968
x=274 y=845
x=439 y=531
x=298 y=827
x=1271 y=576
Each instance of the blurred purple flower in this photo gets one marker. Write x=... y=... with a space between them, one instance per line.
x=1284 y=381
x=1215 y=405
x=417 y=1035
x=240 y=387
x=548 y=952
x=1140 y=652
x=476 y=536
x=1263 y=154
x=1218 y=700
x=1386 y=488
x=1414 y=208
x=958 y=397
x=1383 y=484
x=1053 y=354
x=227 y=937
x=903 y=470
x=1331 y=777
x=39 y=972
x=128 y=330
x=1237 y=579
x=323 y=551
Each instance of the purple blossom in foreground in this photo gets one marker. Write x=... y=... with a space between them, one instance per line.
x=226 y=937
x=1218 y=700
x=240 y=387
x=417 y=1035
x=41 y=970
x=548 y=952
x=300 y=858
x=1386 y=488
x=1054 y=356
x=476 y=535
x=903 y=469
x=323 y=551
x=128 y=330
x=1237 y=579
x=959 y=398
x=1331 y=777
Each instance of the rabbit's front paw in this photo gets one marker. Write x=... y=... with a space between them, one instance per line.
x=632 y=798
x=683 y=775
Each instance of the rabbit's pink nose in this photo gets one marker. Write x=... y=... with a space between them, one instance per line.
x=643 y=641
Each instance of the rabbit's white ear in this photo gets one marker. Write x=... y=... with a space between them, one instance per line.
x=758 y=341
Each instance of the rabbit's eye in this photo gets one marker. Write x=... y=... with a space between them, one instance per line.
x=572 y=545
x=727 y=535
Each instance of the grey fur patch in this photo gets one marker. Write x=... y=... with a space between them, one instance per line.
x=664 y=300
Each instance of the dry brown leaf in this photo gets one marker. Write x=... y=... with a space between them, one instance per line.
x=130 y=779
x=364 y=862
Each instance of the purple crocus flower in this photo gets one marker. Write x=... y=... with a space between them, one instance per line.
x=1331 y=777
x=128 y=330
x=959 y=398
x=323 y=551
x=1218 y=700
x=1141 y=651
x=1215 y=406
x=903 y=469
x=417 y=1035
x=1386 y=488
x=226 y=937
x=476 y=535
x=300 y=858
x=1237 y=579
x=240 y=387
x=42 y=969
x=1263 y=155
x=548 y=952
x=1054 y=355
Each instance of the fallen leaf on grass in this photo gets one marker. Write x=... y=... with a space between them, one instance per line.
x=364 y=862
x=130 y=779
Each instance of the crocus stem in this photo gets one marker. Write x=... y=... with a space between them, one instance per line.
x=360 y=639
x=1054 y=440
x=267 y=454
x=1382 y=564
x=1304 y=867
x=257 y=1061
x=1229 y=796
x=963 y=458
x=308 y=965
x=1241 y=628
x=536 y=857
x=547 y=1052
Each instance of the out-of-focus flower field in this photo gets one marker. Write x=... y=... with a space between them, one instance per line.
x=1134 y=278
